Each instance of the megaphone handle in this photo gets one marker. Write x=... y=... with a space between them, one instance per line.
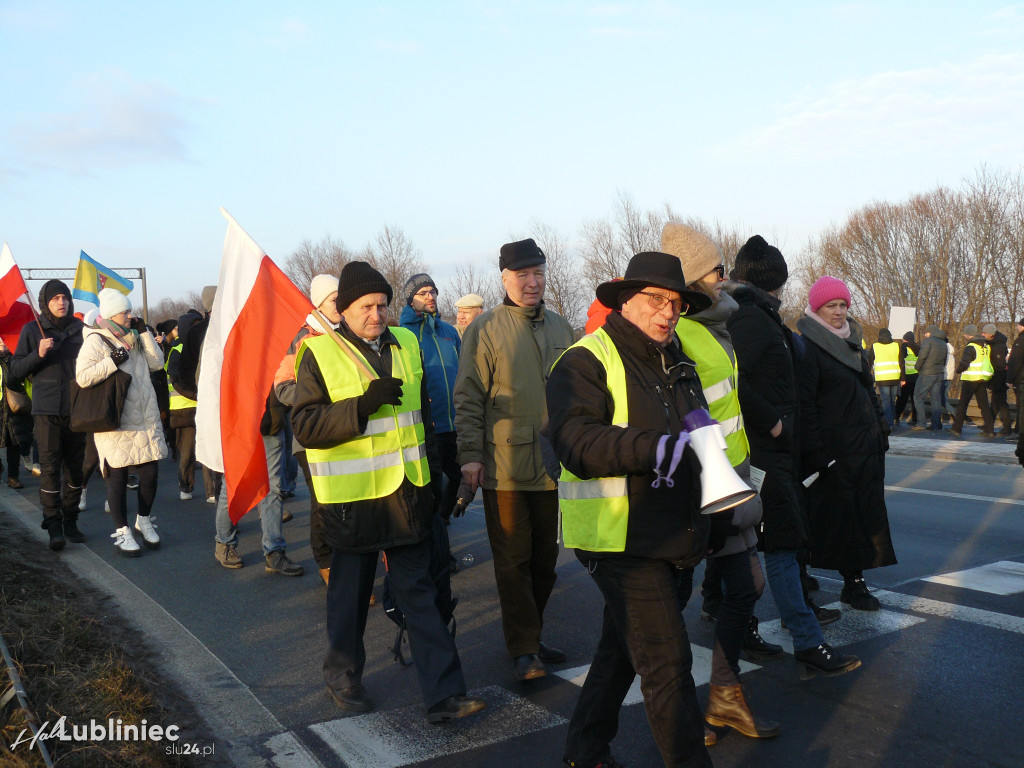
x=677 y=454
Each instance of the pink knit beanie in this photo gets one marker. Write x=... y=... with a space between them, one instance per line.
x=826 y=289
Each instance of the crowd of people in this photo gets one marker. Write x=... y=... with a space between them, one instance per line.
x=397 y=428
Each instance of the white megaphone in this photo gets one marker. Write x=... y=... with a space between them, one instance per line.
x=721 y=488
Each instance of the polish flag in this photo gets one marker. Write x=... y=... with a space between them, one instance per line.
x=16 y=310
x=255 y=316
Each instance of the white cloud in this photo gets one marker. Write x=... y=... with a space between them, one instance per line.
x=976 y=107
x=121 y=121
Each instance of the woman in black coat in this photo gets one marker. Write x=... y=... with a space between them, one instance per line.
x=844 y=440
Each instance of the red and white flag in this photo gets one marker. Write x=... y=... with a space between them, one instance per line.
x=16 y=310
x=255 y=316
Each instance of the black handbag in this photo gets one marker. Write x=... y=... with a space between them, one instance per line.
x=98 y=408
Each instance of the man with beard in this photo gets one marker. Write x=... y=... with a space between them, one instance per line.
x=47 y=352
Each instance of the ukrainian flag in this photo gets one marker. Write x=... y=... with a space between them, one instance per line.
x=91 y=277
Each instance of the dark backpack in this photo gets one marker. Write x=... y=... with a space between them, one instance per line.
x=440 y=571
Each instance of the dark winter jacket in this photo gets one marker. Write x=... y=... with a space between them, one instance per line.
x=969 y=354
x=841 y=419
x=51 y=375
x=440 y=344
x=765 y=354
x=997 y=345
x=931 y=360
x=1015 y=362
x=661 y=388
x=404 y=517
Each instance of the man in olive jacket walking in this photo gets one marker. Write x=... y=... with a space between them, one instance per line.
x=499 y=412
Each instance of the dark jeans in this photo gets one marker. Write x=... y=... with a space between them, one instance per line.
x=888 y=392
x=1000 y=407
x=451 y=475
x=979 y=391
x=643 y=634
x=321 y=550
x=523 y=529
x=907 y=398
x=13 y=461
x=348 y=597
x=61 y=454
x=185 y=440
x=929 y=386
x=117 y=490
x=744 y=583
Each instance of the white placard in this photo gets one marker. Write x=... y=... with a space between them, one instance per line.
x=901 y=320
x=756 y=478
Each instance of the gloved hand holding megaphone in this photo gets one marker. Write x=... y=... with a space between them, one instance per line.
x=721 y=488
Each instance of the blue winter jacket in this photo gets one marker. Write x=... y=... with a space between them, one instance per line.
x=440 y=344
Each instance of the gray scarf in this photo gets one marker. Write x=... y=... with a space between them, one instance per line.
x=846 y=351
x=714 y=319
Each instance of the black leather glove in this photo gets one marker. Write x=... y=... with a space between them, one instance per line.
x=721 y=527
x=136 y=324
x=119 y=356
x=386 y=391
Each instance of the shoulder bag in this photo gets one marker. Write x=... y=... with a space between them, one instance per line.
x=98 y=408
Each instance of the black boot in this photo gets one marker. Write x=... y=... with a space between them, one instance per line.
x=55 y=528
x=824 y=660
x=71 y=532
x=856 y=595
x=756 y=646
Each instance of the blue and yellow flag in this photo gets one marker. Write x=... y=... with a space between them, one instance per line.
x=91 y=277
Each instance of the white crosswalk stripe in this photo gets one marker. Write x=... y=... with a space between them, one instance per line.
x=1002 y=578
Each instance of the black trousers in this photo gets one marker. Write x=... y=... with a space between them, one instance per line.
x=91 y=463
x=1000 y=407
x=643 y=634
x=61 y=454
x=446 y=486
x=434 y=655
x=321 y=550
x=13 y=460
x=906 y=398
x=744 y=583
x=523 y=530
x=979 y=391
x=185 y=440
x=117 y=490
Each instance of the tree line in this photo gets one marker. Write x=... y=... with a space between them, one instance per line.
x=955 y=254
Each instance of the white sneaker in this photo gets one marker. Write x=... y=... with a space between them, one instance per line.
x=147 y=527
x=185 y=495
x=125 y=542
x=81 y=502
x=106 y=507
x=211 y=499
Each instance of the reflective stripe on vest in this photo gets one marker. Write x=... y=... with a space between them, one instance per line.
x=887 y=361
x=980 y=368
x=910 y=364
x=595 y=513
x=718 y=376
x=391 y=447
x=178 y=402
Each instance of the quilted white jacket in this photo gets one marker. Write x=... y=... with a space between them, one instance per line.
x=140 y=437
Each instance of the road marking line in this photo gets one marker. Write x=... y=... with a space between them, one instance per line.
x=853 y=627
x=949 y=494
x=1002 y=578
x=992 y=619
x=289 y=752
x=399 y=737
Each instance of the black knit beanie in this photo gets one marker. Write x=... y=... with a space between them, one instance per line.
x=358 y=279
x=761 y=265
x=909 y=336
x=50 y=289
x=415 y=283
x=520 y=254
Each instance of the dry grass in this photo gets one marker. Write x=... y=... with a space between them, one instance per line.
x=78 y=658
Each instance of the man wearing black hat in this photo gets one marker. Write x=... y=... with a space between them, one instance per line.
x=507 y=353
x=361 y=410
x=49 y=358
x=630 y=501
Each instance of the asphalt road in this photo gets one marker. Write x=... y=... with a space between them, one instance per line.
x=939 y=685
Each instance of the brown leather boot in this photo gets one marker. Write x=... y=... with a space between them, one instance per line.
x=727 y=707
x=710 y=737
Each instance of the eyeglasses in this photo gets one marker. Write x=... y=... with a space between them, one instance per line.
x=425 y=293
x=658 y=301
x=720 y=269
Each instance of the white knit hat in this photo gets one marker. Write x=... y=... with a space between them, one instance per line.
x=320 y=287
x=697 y=252
x=113 y=302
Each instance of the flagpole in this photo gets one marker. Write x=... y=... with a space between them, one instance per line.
x=35 y=315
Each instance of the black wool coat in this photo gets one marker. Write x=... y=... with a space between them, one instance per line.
x=841 y=419
x=51 y=375
x=766 y=358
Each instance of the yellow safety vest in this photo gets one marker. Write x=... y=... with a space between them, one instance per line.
x=980 y=368
x=391 y=448
x=595 y=513
x=887 y=361
x=178 y=402
x=719 y=377
x=910 y=364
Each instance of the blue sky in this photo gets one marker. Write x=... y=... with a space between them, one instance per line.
x=125 y=126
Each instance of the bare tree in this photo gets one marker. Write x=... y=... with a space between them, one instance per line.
x=326 y=257
x=565 y=292
x=395 y=256
x=172 y=309
x=470 y=278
